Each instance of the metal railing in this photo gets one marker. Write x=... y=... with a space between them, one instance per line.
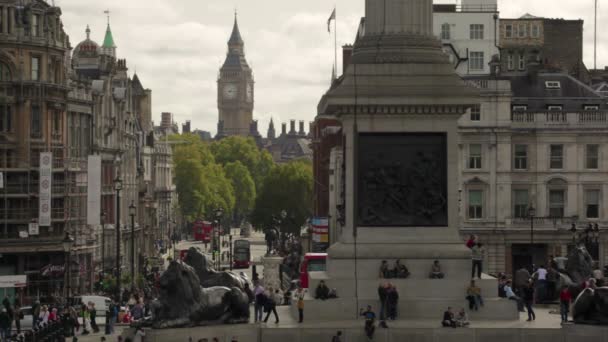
x=560 y=118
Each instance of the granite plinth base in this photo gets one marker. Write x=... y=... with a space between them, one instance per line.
x=411 y=331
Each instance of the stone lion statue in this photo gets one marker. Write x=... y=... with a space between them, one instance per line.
x=591 y=307
x=208 y=276
x=183 y=302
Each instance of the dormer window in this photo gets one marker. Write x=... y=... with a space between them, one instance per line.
x=554 y=108
x=553 y=85
x=520 y=108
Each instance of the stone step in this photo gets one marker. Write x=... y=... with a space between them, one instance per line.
x=425 y=308
x=407 y=288
x=459 y=269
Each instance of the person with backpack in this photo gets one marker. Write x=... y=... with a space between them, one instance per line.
x=270 y=306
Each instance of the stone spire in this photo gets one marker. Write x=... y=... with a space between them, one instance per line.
x=108 y=47
x=88 y=32
x=236 y=41
x=271 y=131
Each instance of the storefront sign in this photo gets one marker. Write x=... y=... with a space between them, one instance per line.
x=52 y=270
x=33 y=229
x=46 y=178
x=12 y=281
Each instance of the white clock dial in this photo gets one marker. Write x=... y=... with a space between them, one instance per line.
x=249 y=92
x=230 y=91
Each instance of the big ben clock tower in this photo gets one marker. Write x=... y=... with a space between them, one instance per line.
x=235 y=89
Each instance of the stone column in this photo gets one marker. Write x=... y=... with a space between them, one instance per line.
x=271 y=272
x=399 y=17
x=4 y=13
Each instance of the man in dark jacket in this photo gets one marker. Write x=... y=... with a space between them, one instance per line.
x=529 y=300
x=392 y=299
x=382 y=294
x=5 y=325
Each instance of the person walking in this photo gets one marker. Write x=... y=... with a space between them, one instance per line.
x=529 y=300
x=5 y=325
x=382 y=295
x=260 y=300
x=93 y=315
x=565 y=299
x=43 y=317
x=17 y=315
x=271 y=307
x=300 y=296
x=477 y=260
x=86 y=319
x=392 y=299
x=474 y=296
x=370 y=319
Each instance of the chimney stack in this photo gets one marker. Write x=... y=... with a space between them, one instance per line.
x=283 y=128
x=292 y=127
x=302 y=132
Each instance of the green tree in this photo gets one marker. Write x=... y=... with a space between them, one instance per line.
x=190 y=187
x=244 y=189
x=287 y=187
x=232 y=149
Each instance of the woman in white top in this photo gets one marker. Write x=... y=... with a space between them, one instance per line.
x=43 y=317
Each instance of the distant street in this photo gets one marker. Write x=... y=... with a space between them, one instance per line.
x=258 y=249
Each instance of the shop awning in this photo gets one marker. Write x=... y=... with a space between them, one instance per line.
x=13 y=281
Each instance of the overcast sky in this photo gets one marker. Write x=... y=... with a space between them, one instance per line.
x=178 y=46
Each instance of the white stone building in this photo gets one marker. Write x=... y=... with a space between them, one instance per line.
x=539 y=140
x=469 y=34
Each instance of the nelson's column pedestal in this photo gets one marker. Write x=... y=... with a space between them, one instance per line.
x=399 y=102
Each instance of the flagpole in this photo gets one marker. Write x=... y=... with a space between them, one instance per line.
x=336 y=43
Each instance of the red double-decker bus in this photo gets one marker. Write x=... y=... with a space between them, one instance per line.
x=202 y=231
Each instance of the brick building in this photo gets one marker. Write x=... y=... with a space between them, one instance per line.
x=556 y=43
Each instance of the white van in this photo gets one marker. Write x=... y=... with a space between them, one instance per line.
x=101 y=303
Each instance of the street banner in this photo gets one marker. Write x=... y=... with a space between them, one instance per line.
x=46 y=178
x=320 y=229
x=94 y=190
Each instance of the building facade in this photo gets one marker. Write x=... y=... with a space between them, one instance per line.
x=532 y=160
x=235 y=89
x=556 y=43
x=469 y=34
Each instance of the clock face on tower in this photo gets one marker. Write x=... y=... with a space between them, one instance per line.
x=230 y=91
x=249 y=92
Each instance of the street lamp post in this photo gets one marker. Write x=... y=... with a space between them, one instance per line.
x=67 y=244
x=102 y=218
x=218 y=215
x=230 y=251
x=531 y=214
x=132 y=210
x=118 y=188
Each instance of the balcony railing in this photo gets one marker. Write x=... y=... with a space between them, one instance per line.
x=557 y=119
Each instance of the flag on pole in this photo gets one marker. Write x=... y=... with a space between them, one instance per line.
x=331 y=17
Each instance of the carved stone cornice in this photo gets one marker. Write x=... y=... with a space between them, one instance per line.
x=341 y=110
x=399 y=48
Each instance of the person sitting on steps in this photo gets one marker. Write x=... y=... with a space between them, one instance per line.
x=448 y=319
x=400 y=271
x=322 y=291
x=436 y=271
x=385 y=273
x=462 y=320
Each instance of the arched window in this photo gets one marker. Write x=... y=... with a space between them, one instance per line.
x=5 y=72
x=445 y=31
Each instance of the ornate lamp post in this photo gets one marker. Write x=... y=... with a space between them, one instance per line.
x=132 y=210
x=219 y=212
x=67 y=244
x=118 y=188
x=102 y=219
x=531 y=214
